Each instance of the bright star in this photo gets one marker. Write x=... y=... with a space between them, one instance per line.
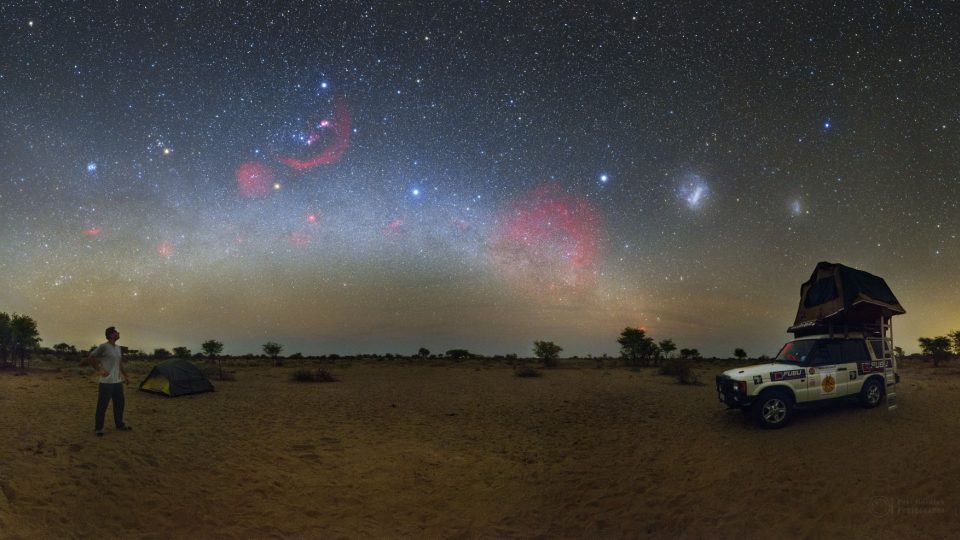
x=416 y=192
x=604 y=178
x=91 y=166
x=826 y=125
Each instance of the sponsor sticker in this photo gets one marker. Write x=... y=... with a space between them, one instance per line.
x=828 y=385
x=757 y=379
x=787 y=375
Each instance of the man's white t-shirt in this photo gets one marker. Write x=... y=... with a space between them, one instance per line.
x=109 y=356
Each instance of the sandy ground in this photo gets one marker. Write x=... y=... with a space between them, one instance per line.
x=471 y=451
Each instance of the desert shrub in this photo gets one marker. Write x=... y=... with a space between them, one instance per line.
x=306 y=375
x=323 y=375
x=302 y=375
x=527 y=371
x=681 y=368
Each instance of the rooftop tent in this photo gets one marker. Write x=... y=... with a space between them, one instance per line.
x=176 y=377
x=837 y=297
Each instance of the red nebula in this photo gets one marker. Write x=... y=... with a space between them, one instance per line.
x=299 y=239
x=254 y=180
x=312 y=218
x=93 y=231
x=165 y=249
x=548 y=240
x=340 y=126
x=394 y=226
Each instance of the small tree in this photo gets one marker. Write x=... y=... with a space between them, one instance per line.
x=547 y=351
x=213 y=348
x=181 y=352
x=636 y=347
x=667 y=346
x=954 y=336
x=690 y=354
x=273 y=349
x=22 y=336
x=740 y=354
x=61 y=348
x=938 y=348
x=423 y=352
x=161 y=353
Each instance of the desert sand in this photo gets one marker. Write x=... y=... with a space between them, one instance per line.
x=471 y=451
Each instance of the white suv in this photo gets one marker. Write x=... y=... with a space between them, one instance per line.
x=808 y=370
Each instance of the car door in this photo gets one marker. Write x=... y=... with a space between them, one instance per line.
x=854 y=355
x=826 y=375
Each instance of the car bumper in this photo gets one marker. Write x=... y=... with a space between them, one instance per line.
x=728 y=394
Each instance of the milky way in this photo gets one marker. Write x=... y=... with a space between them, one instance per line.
x=361 y=177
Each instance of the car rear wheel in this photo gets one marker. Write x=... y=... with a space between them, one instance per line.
x=773 y=409
x=871 y=393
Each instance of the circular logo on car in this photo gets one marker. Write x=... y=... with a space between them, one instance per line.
x=829 y=384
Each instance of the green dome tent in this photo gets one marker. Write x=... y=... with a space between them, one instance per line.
x=176 y=377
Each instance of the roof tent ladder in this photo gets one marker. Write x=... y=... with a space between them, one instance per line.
x=889 y=361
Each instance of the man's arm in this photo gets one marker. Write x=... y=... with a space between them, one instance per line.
x=95 y=363
x=123 y=372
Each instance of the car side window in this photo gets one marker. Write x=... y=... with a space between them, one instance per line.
x=854 y=351
x=828 y=353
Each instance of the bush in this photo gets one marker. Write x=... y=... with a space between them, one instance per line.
x=306 y=375
x=681 y=368
x=527 y=371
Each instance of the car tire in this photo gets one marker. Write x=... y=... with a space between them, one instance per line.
x=872 y=393
x=773 y=409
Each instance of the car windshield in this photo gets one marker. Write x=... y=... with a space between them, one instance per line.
x=796 y=352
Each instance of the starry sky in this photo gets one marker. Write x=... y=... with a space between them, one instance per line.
x=375 y=177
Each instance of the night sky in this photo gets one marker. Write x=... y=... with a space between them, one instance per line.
x=375 y=177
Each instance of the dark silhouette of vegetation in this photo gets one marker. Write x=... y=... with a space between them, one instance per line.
x=937 y=348
x=527 y=371
x=213 y=348
x=458 y=354
x=181 y=352
x=64 y=348
x=161 y=353
x=306 y=375
x=667 y=346
x=18 y=338
x=423 y=352
x=273 y=350
x=681 y=368
x=636 y=348
x=740 y=354
x=548 y=352
x=954 y=336
x=690 y=354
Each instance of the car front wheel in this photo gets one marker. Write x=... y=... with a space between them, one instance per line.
x=871 y=393
x=773 y=410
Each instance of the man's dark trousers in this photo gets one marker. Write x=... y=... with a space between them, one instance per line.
x=110 y=392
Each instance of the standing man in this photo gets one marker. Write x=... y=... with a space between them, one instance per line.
x=106 y=360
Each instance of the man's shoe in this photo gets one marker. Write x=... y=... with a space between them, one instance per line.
x=125 y=428
x=100 y=433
